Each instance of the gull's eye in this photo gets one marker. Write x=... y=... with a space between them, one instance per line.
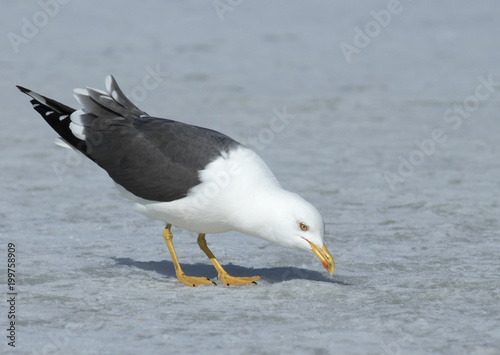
x=303 y=226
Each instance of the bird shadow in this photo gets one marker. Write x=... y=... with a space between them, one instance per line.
x=271 y=275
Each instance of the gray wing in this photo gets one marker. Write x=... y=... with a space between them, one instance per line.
x=153 y=158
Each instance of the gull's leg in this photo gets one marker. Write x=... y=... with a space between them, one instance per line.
x=223 y=275
x=188 y=280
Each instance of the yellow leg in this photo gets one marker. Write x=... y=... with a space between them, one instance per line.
x=223 y=275
x=188 y=280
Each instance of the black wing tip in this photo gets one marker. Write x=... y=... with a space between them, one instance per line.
x=23 y=89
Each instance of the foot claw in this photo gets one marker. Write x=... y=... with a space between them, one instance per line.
x=229 y=280
x=194 y=281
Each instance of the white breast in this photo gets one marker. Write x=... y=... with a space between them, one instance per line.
x=229 y=187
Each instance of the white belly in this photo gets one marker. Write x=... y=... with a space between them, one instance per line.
x=218 y=204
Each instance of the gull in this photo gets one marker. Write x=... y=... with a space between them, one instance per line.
x=187 y=176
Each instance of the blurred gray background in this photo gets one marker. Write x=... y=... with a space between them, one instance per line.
x=394 y=138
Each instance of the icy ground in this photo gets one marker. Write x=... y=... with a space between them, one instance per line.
x=418 y=266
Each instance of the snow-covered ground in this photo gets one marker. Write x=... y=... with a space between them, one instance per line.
x=394 y=138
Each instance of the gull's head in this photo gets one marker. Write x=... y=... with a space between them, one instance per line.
x=298 y=224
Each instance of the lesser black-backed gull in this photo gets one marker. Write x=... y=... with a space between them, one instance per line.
x=187 y=176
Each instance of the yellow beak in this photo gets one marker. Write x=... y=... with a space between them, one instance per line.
x=324 y=255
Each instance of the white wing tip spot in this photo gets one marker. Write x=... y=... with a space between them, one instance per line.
x=79 y=91
x=107 y=82
x=77 y=131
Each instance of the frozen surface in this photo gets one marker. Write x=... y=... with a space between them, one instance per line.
x=418 y=267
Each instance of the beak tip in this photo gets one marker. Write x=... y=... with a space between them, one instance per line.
x=324 y=255
x=330 y=268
